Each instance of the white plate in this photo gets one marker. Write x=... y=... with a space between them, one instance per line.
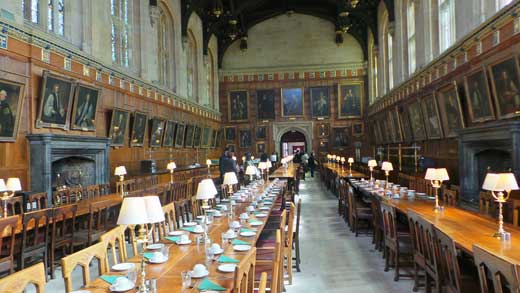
x=175 y=233
x=232 y=237
x=183 y=243
x=241 y=247
x=227 y=268
x=200 y=217
x=254 y=224
x=123 y=266
x=163 y=260
x=262 y=215
x=155 y=246
x=247 y=233
x=195 y=276
x=190 y=224
x=265 y=208
x=219 y=252
x=130 y=286
x=198 y=231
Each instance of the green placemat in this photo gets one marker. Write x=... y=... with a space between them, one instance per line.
x=148 y=255
x=207 y=285
x=227 y=259
x=189 y=229
x=239 y=242
x=173 y=239
x=109 y=279
x=247 y=230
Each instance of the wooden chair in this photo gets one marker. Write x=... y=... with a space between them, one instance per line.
x=245 y=273
x=7 y=227
x=104 y=189
x=170 y=223
x=358 y=213
x=130 y=230
x=342 y=198
x=76 y=193
x=14 y=206
x=485 y=202
x=17 y=282
x=449 y=197
x=83 y=258
x=296 y=237
x=273 y=266
x=115 y=241
x=288 y=243
x=183 y=210
x=64 y=221
x=35 y=237
x=140 y=184
x=263 y=283
x=196 y=209
x=423 y=251
x=397 y=242
x=61 y=197
x=496 y=274
x=99 y=220
x=92 y=191
x=377 y=223
x=36 y=201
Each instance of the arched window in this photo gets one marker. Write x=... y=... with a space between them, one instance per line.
x=446 y=24
x=120 y=31
x=410 y=21
x=31 y=10
x=192 y=67
x=165 y=48
x=502 y=3
x=390 y=59
x=210 y=75
x=56 y=16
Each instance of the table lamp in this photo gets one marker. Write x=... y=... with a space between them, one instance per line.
x=171 y=166
x=333 y=157
x=371 y=165
x=436 y=176
x=13 y=185
x=262 y=166
x=141 y=211
x=230 y=178
x=499 y=184
x=243 y=159
x=342 y=160
x=121 y=172
x=206 y=190
x=387 y=167
x=208 y=163
x=350 y=162
x=251 y=171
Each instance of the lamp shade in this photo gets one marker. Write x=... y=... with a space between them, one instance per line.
x=120 y=171
x=372 y=163
x=171 y=166
x=430 y=174
x=208 y=162
x=351 y=160
x=230 y=178
x=333 y=157
x=132 y=211
x=2 y=185
x=500 y=182
x=440 y=174
x=387 y=166
x=13 y=184
x=269 y=164
x=206 y=189
x=234 y=158
x=154 y=209
x=250 y=170
x=262 y=165
x=342 y=159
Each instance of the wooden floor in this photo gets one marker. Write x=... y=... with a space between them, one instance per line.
x=333 y=259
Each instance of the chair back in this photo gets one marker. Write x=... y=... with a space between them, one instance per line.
x=298 y=215
x=76 y=193
x=496 y=274
x=61 y=197
x=389 y=223
x=183 y=210
x=449 y=197
x=283 y=222
x=104 y=189
x=423 y=241
x=195 y=206
x=35 y=235
x=169 y=223
x=83 y=258
x=277 y=273
x=92 y=191
x=447 y=261
x=350 y=204
x=115 y=241
x=14 y=205
x=485 y=202
x=18 y=281
x=36 y=201
x=290 y=226
x=64 y=221
x=245 y=273
x=98 y=218
x=7 y=227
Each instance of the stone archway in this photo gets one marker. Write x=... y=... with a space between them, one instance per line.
x=280 y=128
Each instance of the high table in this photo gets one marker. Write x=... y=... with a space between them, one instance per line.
x=343 y=171
x=464 y=227
x=185 y=257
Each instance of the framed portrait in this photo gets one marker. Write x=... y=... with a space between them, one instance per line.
x=216 y=138
x=204 y=143
x=197 y=131
x=118 y=127
x=417 y=121
x=357 y=129
x=392 y=132
x=386 y=136
x=320 y=101
x=140 y=120
x=85 y=107
x=260 y=148
x=211 y=136
x=231 y=147
x=169 y=134
x=323 y=146
x=450 y=109
x=11 y=101
x=323 y=129
x=341 y=137
x=261 y=132
x=231 y=133
x=394 y=119
x=292 y=102
x=244 y=140
x=350 y=99
x=432 y=121
x=188 y=141
x=265 y=104
x=377 y=132
x=478 y=95
x=55 y=101
x=156 y=132
x=238 y=102
x=404 y=123
x=179 y=135
x=506 y=87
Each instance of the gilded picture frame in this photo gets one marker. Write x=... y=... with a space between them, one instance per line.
x=478 y=96
x=350 y=99
x=238 y=106
x=505 y=82
x=12 y=95
x=450 y=108
x=292 y=102
x=55 y=112
x=84 y=108
x=118 y=127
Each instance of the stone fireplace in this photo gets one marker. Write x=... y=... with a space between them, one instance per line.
x=493 y=147
x=78 y=159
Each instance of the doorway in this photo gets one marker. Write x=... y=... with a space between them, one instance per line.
x=291 y=141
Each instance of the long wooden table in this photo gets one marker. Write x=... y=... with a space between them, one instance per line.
x=286 y=173
x=343 y=171
x=185 y=257
x=466 y=228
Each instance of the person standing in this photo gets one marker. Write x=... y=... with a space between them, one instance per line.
x=312 y=164
x=6 y=116
x=221 y=163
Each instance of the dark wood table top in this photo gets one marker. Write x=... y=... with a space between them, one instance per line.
x=343 y=171
x=285 y=173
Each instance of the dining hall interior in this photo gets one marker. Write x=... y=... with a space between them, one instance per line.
x=259 y=146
